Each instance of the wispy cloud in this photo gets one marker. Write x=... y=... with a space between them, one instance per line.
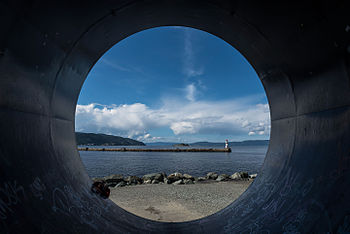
x=231 y=117
x=190 y=92
x=115 y=65
x=190 y=68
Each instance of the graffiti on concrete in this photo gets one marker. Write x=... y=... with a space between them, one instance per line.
x=11 y=194
x=37 y=188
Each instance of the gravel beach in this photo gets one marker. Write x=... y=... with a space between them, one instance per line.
x=177 y=203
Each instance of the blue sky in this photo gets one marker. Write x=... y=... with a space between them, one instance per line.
x=174 y=84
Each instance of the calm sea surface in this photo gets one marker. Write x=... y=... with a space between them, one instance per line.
x=242 y=158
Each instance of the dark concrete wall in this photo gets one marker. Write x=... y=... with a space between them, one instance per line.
x=300 y=51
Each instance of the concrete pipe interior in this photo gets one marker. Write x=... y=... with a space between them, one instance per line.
x=300 y=51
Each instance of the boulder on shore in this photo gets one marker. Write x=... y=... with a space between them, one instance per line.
x=175 y=177
x=147 y=181
x=244 y=174
x=188 y=181
x=121 y=184
x=188 y=177
x=201 y=178
x=111 y=185
x=253 y=176
x=133 y=180
x=166 y=181
x=116 y=178
x=236 y=176
x=223 y=177
x=212 y=176
x=239 y=175
x=164 y=176
x=178 y=182
x=154 y=176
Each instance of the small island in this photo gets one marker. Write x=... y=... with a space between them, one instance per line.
x=181 y=145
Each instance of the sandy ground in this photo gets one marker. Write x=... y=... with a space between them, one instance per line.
x=177 y=203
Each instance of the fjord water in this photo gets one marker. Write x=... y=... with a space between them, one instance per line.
x=242 y=158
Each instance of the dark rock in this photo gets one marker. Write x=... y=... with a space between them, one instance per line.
x=121 y=184
x=180 y=145
x=153 y=176
x=160 y=177
x=166 y=181
x=236 y=176
x=178 y=182
x=253 y=176
x=114 y=178
x=149 y=176
x=244 y=174
x=111 y=184
x=155 y=181
x=201 y=178
x=222 y=177
x=188 y=177
x=212 y=176
x=147 y=181
x=175 y=177
x=187 y=181
x=133 y=180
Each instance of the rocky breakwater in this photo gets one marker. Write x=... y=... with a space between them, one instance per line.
x=176 y=178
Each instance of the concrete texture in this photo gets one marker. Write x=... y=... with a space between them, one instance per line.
x=299 y=49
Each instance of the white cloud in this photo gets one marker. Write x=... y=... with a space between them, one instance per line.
x=183 y=127
x=251 y=133
x=231 y=117
x=191 y=92
x=148 y=138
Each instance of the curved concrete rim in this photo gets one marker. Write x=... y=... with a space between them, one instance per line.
x=300 y=52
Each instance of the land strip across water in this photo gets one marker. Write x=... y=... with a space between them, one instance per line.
x=224 y=150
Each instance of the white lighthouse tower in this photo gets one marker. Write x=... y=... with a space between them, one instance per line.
x=226 y=144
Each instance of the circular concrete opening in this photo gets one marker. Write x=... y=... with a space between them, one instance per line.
x=299 y=51
x=166 y=86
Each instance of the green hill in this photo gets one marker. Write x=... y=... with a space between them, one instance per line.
x=103 y=139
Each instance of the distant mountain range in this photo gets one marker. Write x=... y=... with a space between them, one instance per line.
x=99 y=139
x=162 y=143
x=218 y=144
x=104 y=139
